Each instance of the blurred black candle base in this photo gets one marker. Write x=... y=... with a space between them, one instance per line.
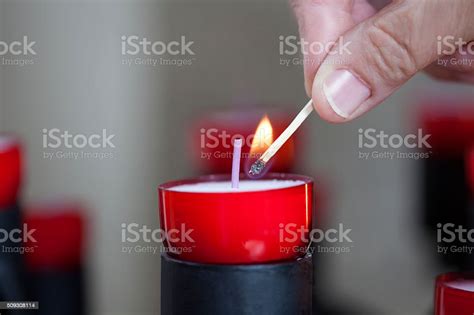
x=11 y=263
x=58 y=292
x=444 y=176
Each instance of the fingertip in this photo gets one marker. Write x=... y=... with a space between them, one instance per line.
x=325 y=110
x=321 y=104
x=340 y=94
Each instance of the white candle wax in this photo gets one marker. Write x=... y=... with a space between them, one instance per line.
x=244 y=185
x=466 y=285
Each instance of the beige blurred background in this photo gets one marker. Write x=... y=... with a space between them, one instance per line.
x=78 y=83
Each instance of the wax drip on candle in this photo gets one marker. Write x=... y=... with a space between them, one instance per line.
x=236 y=163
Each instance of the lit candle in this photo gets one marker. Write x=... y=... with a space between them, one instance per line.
x=258 y=228
x=232 y=222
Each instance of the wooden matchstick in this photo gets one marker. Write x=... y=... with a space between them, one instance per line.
x=259 y=165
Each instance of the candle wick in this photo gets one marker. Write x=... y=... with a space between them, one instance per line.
x=236 y=163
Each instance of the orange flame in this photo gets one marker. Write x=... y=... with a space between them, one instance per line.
x=263 y=137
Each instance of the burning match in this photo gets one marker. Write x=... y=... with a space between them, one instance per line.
x=259 y=165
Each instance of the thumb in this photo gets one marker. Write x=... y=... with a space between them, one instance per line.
x=384 y=52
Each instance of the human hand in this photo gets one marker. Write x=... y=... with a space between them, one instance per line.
x=384 y=49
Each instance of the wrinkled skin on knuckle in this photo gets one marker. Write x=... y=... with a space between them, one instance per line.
x=295 y=4
x=391 y=48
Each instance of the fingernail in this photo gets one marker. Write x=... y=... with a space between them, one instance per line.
x=345 y=92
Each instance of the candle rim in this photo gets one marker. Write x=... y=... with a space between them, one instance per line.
x=305 y=180
x=7 y=142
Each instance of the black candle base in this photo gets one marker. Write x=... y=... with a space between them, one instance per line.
x=58 y=292
x=275 y=288
x=11 y=260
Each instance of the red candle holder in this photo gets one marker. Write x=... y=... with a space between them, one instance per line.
x=454 y=294
x=58 y=237
x=240 y=227
x=10 y=170
x=451 y=128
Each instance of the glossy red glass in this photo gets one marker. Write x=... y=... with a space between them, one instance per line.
x=10 y=170
x=451 y=300
x=237 y=227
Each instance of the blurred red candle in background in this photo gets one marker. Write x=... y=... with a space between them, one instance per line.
x=211 y=138
x=10 y=170
x=454 y=294
x=451 y=128
x=58 y=239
